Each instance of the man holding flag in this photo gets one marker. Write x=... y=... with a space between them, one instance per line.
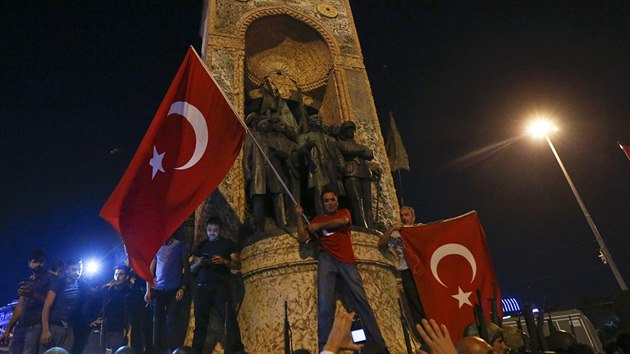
x=337 y=268
x=391 y=238
x=450 y=261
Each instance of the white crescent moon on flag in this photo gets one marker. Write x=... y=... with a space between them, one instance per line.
x=198 y=123
x=448 y=249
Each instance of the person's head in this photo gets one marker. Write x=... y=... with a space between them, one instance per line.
x=612 y=348
x=125 y=350
x=407 y=215
x=315 y=120
x=57 y=267
x=37 y=261
x=496 y=339
x=56 y=350
x=252 y=119
x=263 y=124
x=74 y=269
x=330 y=201
x=513 y=338
x=560 y=341
x=280 y=126
x=498 y=344
x=121 y=274
x=213 y=228
x=347 y=129
x=473 y=345
x=291 y=133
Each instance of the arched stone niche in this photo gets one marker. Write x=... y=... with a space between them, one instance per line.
x=297 y=60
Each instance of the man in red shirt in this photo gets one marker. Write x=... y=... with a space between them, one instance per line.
x=337 y=266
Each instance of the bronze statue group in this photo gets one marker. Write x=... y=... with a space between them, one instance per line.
x=291 y=157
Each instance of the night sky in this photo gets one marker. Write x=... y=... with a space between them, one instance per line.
x=80 y=82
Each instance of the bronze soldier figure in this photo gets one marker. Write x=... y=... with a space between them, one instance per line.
x=357 y=176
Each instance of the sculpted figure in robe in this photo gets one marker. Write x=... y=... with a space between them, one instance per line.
x=323 y=160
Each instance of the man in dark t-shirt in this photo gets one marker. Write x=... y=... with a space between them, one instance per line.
x=62 y=308
x=212 y=261
x=336 y=266
x=26 y=322
x=112 y=315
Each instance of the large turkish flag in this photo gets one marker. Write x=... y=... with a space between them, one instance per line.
x=188 y=149
x=450 y=261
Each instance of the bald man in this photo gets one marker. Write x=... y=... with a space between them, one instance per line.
x=473 y=345
x=394 y=243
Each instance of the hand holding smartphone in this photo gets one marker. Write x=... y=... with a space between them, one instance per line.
x=346 y=333
x=356 y=331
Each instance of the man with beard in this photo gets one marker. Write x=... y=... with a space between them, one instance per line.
x=337 y=266
x=110 y=324
x=26 y=321
x=62 y=308
x=212 y=261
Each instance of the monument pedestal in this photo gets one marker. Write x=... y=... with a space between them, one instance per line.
x=278 y=269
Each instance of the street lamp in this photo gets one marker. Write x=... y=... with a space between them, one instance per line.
x=543 y=128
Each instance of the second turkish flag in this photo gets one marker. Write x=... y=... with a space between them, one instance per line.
x=450 y=261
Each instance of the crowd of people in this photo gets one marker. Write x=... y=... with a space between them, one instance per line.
x=57 y=312
x=57 y=309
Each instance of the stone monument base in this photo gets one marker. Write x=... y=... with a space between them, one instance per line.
x=277 y=269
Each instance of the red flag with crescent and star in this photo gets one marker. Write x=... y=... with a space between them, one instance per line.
x=449 y=261
x=192 y=142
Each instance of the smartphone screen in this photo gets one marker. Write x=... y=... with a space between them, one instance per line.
x=356 y=331
x=358 y=335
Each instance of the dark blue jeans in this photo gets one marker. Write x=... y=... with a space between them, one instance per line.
x=62 y=337
x=25 y=339
x=166 y=314
x=215 y=295
x=329 y=272
x=113 y=340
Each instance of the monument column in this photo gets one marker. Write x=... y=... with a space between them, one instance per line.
x=311 y=49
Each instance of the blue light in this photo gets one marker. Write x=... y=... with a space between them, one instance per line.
x=510 y=305
x=92 y=267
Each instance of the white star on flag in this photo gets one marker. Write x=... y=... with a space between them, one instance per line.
x=462 y=297
x=156 y=162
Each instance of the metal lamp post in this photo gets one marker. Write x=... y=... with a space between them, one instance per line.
x=542 y=129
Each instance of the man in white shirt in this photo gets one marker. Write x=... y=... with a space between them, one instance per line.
x=392 y=239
